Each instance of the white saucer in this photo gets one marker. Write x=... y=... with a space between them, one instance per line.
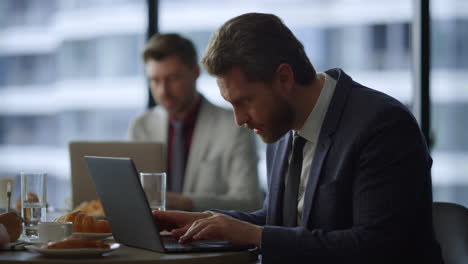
x=75 y=252
x=37 y=241
x=33 y=241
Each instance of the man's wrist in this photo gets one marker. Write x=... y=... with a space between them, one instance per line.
x=257 y=236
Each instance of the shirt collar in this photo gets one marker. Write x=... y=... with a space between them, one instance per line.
x=313 y=124
x=192 y=116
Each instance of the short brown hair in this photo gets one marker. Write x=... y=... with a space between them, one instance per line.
x=257 y=43
x=160 y=46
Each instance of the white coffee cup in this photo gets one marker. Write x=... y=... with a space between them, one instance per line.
x=54 y=231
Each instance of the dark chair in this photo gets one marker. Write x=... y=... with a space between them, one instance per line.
x=451 y=230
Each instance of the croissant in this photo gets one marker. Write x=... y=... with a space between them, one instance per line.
x=13 y=224
x=82 y=222
x=76 y=242
x=91 y=207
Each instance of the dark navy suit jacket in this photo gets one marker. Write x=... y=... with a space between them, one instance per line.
x=368 y=198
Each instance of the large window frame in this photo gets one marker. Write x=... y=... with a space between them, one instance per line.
x=421 y=61
x=422 y=66
x=423 y=27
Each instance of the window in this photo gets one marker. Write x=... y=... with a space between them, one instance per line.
x=370 y=46
x=69 y=70
x=449 y=95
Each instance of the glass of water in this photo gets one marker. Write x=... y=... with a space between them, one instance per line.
x=154 y=185
x=33 y=202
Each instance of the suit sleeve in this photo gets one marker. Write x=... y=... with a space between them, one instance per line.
x=240 y=171
x=136 y=132
x=390 y=180
x=258 y=217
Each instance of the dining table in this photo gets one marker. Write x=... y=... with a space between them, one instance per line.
x=126 y=254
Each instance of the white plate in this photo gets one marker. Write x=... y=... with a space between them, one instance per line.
x=86 y=235
x=93 y=235
x=33 y=241
x=75 y=252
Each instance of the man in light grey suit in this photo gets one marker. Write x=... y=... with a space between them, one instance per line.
x=348 y=167
x=211 y=162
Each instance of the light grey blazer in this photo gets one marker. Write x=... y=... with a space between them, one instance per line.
x=221 y=169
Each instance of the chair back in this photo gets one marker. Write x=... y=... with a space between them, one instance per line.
x=451 y=230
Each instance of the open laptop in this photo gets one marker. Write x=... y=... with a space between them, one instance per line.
x=148 y=156
x=129 y=214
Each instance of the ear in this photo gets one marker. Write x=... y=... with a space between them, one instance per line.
x=284 y=76
x=196 y=71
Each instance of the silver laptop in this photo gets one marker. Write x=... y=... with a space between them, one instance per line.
x=127 y=209
x=148 y=156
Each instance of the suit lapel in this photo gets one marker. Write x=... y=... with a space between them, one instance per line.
x=159 y=125
x=279 y=163
x=331 y=121
x=201 y=135
x=314 y=175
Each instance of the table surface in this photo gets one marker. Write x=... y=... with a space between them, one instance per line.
x=133 y=255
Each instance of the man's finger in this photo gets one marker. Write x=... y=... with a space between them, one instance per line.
x=209 y=232
x=194 y=229
x=178 y=232
x=161 y=215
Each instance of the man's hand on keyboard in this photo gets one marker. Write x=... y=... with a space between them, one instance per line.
x=223 y=227
x=176 y=222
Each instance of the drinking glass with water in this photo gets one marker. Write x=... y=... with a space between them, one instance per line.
x=33 y=202
x=154 y=185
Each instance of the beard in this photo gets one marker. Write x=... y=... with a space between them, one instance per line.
x=280 y=121
x=181 y=104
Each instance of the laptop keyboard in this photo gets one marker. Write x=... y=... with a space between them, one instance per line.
x=171 y=244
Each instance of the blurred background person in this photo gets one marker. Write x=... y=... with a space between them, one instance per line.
x=211 y=163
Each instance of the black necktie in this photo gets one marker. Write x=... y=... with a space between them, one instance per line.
x=178 y=157
x=291 y=188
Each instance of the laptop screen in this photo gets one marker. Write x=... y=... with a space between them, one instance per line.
x=147 y=157
x=124 y=202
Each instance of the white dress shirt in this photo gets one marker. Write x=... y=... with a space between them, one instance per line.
x=311 y=131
